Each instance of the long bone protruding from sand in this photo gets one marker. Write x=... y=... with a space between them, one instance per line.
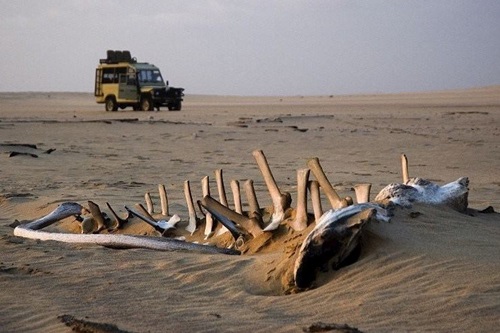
x=163 y=200
x=281 y=201
x=299 y=223
x=149 y=203
x=209 y=221
x=193 y=219
x=235 y=188
x=119 y=222
x=404 y=168
x=313 y=187
x=251 y=225
x=335 y=201
x=253 y=204
x=219 y=179
x=32 y=230
x=362 y=192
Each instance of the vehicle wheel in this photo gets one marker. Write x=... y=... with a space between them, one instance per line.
x=177 y=106
x=146 y=104
x=111 y=104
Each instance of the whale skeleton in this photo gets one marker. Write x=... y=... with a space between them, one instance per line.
x=335 y=235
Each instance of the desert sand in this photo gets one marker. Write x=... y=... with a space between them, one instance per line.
x=429 y=269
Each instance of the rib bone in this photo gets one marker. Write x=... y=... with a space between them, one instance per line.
x=280 y=201
x=193 y=219
x=313 y=186
x=331 y=194
x=253 y=204
x=299 y=223
x=404 y=168
x=149 y=203
x=209 y=221
x=235 y=188
x=249 y=224
x=362 y=192
x=163 y=200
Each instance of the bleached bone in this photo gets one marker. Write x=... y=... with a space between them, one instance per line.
x=163 y=200
x=97 y=216
x=253 y=204
x=149 y=203
x=299 y=223
x=193 y=219
x=281 y=202
x=335 y=201
x=144 y=212
x=454 y=194
x=220 y=187
x=249 y=224
x=222 y=195
x=67 y=209
x=313 y=186
x=119 y=222
x=161 y=225
x=332 y=240
x=362 y=192
x=404 y=168
x=209 y=221
x=235 y=188
x=418 y=190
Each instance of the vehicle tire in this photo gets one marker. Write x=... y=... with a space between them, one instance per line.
x=146 y=104
x=111 y=104
x=177 y=106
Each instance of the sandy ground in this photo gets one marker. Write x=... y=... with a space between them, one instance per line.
x=434 y=271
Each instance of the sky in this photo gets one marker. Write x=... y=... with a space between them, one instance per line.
x=258 y=47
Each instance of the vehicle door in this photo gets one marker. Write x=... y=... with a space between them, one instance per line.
x=127 y=87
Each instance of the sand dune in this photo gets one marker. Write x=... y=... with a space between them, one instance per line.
x=429 y=269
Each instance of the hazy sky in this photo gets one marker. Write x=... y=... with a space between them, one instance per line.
x=256 y=47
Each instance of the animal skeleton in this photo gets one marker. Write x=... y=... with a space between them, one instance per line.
x=335 y=235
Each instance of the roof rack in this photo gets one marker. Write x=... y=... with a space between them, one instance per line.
x=116 y=56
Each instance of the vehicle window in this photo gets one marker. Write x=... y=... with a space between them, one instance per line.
x=108 y=75
x=150 y=76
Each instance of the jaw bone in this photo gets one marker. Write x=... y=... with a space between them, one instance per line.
x=335 y=201
x=281 y=201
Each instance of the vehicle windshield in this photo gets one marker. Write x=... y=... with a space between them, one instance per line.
x=150 y=76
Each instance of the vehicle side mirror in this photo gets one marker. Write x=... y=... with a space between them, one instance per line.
x=166 y=83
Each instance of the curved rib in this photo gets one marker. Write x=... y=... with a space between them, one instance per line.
x=209 y=221
x=253 y=204
x=149 y=203
x=235 y=188
x=330 y=193
x=249 y=224
x=299 y=223
x=163 y=200
x=313 y=186
x=193 y=219
x=220 y=187
x=280 y=201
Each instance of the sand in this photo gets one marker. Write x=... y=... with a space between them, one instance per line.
x=429 y=269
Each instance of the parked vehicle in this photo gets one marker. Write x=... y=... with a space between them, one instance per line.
x=121 y=81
